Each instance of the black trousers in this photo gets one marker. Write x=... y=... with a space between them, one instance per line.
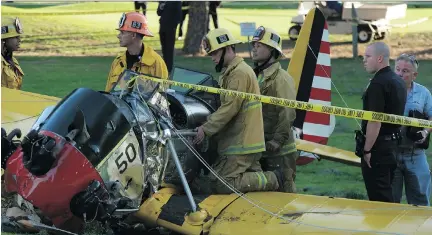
x=167 y=40
x=139 y=5
x=215 y=21
x=184 y=13
x=378 y=179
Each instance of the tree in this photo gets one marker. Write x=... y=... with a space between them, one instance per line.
x=197 y=27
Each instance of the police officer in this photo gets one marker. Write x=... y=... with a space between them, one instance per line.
x=170 y=17
x=139 y=57
x=386 y=93
x=12 y=74
x=281 y=152
x=238 y=122
x=413 y=167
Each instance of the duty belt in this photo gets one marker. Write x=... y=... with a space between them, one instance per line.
x=388 y=137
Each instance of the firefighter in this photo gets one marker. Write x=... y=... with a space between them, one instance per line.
x=237 y=123
x=281 y=152
x=12 y=74
x=139 y=57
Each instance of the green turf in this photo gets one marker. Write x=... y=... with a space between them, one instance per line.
x=95 y=34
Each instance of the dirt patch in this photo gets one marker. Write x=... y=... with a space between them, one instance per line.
x=418 y=44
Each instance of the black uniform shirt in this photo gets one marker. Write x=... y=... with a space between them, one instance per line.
x=170 y=13
x=386 y=93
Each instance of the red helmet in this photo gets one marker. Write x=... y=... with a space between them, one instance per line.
x=134 y=22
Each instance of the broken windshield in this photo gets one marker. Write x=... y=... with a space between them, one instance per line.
x=128 y=83
x=189 y=76
x=146 y=90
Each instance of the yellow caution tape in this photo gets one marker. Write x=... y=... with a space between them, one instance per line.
x=337 y=111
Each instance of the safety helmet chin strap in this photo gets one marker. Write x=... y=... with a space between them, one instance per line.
x=259 y=68
x=5 y=52
x=219 y=66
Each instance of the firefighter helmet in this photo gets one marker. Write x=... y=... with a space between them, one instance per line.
x=11 y=28
x=218 y=38
x=134 y=22
x=269 y=37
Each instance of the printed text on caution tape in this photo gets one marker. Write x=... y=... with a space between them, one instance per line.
x=337 y=111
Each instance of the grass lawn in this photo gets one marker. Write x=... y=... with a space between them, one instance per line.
x=64 y=30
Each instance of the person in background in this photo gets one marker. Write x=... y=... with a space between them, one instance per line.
x=141 y=4
x=170 y=16
x=413 y=167
x=12 y=74
x=185 y=11
x=337 y=6
x=213 y=5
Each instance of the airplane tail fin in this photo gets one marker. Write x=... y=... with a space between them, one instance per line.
x=310 y=67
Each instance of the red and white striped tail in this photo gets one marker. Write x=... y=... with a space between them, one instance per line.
x=318 y=127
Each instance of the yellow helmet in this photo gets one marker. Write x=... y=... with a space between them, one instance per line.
x=218 y=38
x=11 y=28
x=269 y=37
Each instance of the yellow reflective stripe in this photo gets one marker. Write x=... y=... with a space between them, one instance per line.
x=251 y=105
x=260 y=80
x=265 y=179
x=287 y=148
x=262 y=180
x=244 y=149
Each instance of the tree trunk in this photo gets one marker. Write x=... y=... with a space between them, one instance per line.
x=197 y=27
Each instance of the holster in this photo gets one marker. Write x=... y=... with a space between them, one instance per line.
x=360 y=140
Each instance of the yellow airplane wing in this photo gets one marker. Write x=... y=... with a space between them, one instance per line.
x=20 y=109
x=282 y=213
x=328 y=152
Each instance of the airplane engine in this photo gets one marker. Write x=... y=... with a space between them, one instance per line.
x=189 y=112
x=84 y=158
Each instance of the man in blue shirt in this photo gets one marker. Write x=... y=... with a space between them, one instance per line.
x=413 y=168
